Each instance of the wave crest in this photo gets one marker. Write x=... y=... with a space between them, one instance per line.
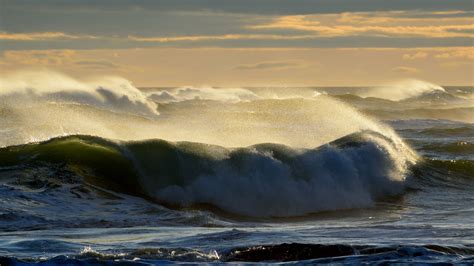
x=203 y=93
x=109 y=93
x=269 y=181
x=403 y=90
x=265 y=180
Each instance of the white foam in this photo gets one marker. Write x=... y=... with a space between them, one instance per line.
x=203 y=93
x=329 y=178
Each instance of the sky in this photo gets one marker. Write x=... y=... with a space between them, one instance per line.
x=234 y=43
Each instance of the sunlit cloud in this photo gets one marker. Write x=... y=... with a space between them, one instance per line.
x=363 y=24
x=417 y=55
x=405 y=70
x=467 y=53
x=39 y=57
x=97 y=64
x=271 y=65
x=404 y=18
x=42 y=36
x=55 y=58
x=457 y=65
x=192 y=38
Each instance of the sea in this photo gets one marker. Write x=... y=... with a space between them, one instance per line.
x=100 y=172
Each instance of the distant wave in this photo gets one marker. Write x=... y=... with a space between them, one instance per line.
x=26 y=88
x=405 y=91
x=463 y=114
x=402 y=90
x=436 y=97
x=463 y=131
x=268 y=180
x=433 y=100
x=459 y=147
x=448 y=169
x=202 y=93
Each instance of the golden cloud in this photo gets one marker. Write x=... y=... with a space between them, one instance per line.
x=41 y=36
x=417 y=55
x=55 y=58
x=350 y=24
x=467 y=53
x=271 y=65
x=218 y=37
x=405 y=70
x=39 y=57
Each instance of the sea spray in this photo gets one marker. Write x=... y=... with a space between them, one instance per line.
x=402 y=90
x=108 y=92
x=51 y=104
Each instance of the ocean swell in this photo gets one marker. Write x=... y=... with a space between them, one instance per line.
x=265 y=180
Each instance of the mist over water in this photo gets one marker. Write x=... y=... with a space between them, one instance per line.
x=40 y=105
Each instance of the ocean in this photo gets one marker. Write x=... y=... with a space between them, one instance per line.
x=106 y=173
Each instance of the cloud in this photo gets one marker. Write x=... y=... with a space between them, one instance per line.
x=206 y=28
x=417 y=55
x=55 y=24
x=369 y=25
x=456 y=64
x=241 y=6
x=463 y=53
x=271 y=65
x=196 y=38
x=405 y=17
x=41 y=36
x=39 y=57
x=55 y=58
x=100 y=64
x=263 y=41
x=405 y=70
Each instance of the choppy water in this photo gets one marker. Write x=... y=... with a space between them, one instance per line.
x=93 y=174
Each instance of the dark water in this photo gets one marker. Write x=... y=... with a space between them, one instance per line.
x=370 y=195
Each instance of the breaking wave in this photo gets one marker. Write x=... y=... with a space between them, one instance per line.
x=265 y=180
x=403 y=90
x=30 y=88
x=203 y=93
